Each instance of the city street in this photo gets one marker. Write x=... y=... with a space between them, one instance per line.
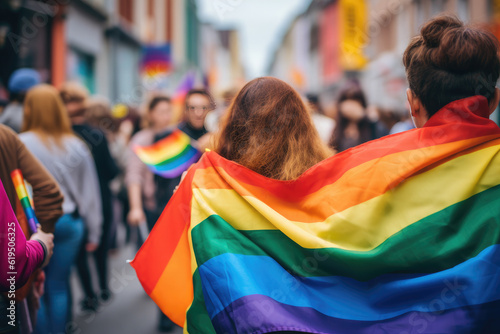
x=284 y=166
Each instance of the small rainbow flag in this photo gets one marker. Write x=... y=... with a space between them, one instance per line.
x=179 y=96
x=398 y=235
x=24 y=198
x=184 y=87
x=170 y=156
x=156 y=60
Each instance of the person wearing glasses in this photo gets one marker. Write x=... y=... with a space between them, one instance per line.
x=138 y=178
x=148 y=194
x=140 y=181
x=198 y=103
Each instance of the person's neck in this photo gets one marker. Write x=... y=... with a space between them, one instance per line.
x=158 y=128
x=352 y=130
x=353 y=124
x=189 y=125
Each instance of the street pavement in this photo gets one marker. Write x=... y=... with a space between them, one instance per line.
x=130 y=310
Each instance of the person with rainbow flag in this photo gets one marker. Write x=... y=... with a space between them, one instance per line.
x=33 y=247
x=397 y=235
x=171 y=152
x=193 y=133
x=47 y=133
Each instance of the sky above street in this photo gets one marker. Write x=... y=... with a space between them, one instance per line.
x=261 y=24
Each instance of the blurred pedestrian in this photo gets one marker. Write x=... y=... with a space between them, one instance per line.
x=129 y=124
x=324 y=124
x=47 y=200
x=48 y=134
x=353 y=124
x=140 y=180
x=3 y=104
x=117 y=127
x=215 y=117
x=75 y=98
x=20 y=82
x=198 y=103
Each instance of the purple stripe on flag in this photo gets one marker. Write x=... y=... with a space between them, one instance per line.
x=175 y=171
x=262 y=314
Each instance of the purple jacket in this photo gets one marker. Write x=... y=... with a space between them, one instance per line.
x=18 y=256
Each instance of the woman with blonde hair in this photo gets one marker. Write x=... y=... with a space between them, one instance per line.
x=47 y=133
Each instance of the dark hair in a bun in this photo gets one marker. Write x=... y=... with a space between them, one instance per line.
x=450 y=61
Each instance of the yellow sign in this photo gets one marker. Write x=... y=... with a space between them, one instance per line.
x=353 y=38
x=496 y=9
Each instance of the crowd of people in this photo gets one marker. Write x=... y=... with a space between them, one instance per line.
x=92 y=183
x=77 y=154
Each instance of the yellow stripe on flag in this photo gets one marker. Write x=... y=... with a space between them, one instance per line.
x=355 y=229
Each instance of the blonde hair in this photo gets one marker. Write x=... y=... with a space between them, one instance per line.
x=45 y=114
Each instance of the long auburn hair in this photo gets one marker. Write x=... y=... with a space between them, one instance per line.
x=45 y=114
x=268 y=129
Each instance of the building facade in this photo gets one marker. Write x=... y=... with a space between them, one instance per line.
x=331 y=42
x=97 y=42
x=391 y=24
x=220 y=59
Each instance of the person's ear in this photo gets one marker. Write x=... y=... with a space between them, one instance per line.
x=494 y=102
x=417 y=110
x=413 y=102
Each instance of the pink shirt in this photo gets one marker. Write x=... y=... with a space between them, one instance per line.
x=18 y=257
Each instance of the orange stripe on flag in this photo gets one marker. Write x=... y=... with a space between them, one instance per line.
x=379 y=175
x=159 y=247
x=174 y=291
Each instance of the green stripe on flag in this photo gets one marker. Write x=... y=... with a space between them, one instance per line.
x=435 y=243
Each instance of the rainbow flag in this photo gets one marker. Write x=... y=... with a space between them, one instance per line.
x=184 y=87
x=179 y=97
x=24 y=198
x=156 y=60
x=399 y=235
x=170 y=156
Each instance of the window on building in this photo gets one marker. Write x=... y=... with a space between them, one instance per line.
x=81 y=68
x=463 y=10
x=125 y=9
